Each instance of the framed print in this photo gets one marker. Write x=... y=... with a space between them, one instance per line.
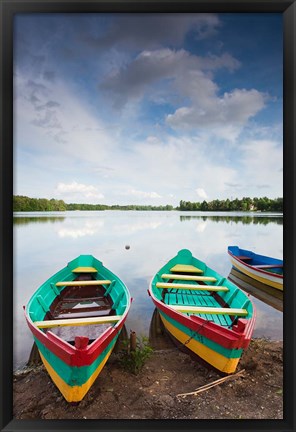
x=147 y=199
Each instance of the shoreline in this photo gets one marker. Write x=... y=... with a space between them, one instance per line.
x=256 y=393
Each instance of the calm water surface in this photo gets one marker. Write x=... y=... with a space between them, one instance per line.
x=46 y=242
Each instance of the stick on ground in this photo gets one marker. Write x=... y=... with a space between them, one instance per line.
x=213 y=384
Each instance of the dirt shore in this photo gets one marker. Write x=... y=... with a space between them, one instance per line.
x=153 y=394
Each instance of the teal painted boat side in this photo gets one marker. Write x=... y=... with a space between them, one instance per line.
x=73 y=375
x=229 y=353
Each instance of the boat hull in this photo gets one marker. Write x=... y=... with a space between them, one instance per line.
x=74 y=364
x=224 y=360
x=219 y=346
x=73 y=381
x=270 y=279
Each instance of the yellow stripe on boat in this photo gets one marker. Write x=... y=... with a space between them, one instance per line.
x=265 y=280
x=189 y=277
x=85 y=270
x=191 y=287
x=82 y=283
x=210 y=310
x=220 y=362
x=73 y=393
x=77 y=321
x=186 y=268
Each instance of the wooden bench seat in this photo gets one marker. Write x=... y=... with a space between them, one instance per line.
x=185 y=268
x=84 y=283
x=77 y=321
x=84 y=270
x=191 y=287
x=210 y=310
x=188 y=277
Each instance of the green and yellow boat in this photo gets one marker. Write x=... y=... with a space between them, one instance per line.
x=203 y=311
x=75 y=318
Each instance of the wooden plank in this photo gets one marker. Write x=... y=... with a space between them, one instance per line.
x=191 y=287
x=77 y=321
x=210 y=310
x=82 y=283
x=85 y=270
x=185 y=268
x=267 y=266
x=189 y=277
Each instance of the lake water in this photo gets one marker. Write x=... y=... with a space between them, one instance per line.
x=46 y=242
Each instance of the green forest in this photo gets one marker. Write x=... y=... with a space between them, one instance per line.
x=245 y=204
x=26 y=204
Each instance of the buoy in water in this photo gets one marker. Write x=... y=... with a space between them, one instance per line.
x=127 y=247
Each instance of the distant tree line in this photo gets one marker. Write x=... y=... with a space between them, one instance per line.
x=26 y=204
x=245 y=204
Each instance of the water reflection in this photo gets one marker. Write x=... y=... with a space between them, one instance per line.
x=245 y=220
x=75 y=230
x=271 y=296
x=44 y=243
x=25 y=220
x=158 y=336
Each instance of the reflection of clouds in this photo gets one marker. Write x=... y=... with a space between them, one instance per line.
x=139 y=226
x=269 y=321
x=200 y=227
x=90 y=228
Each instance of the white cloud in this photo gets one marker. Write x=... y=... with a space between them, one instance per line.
x=78 y=190
x=201 y=193
x=186 y=76
x=141 y=194
x=133 y=31
x=225 y=116
x=262 y=162
x=62 y=121
x=177 y=70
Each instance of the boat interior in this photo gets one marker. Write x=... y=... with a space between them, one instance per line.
x=194 y=294
x=276 y=268
x=83 y=307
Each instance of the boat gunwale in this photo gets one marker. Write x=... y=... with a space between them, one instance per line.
x=70 y=354
x=255 y=269
x=228 y=338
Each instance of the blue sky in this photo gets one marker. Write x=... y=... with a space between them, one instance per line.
x=148 y=108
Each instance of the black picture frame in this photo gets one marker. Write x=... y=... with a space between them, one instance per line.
x=10 y=7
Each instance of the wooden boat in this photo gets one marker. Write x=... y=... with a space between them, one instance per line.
x=259 y=267
x=203 y=311
x=76 y=317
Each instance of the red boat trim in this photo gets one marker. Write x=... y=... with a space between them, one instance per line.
x=68 y=353
x=223 y=336
x=276 y=275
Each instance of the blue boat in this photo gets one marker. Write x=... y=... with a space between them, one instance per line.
x=259 y=267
